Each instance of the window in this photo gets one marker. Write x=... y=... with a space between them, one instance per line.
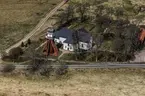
x=82 y=45
x=70 y=47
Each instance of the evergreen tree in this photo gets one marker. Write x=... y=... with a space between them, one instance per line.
x=29 y=42
x=22 y=44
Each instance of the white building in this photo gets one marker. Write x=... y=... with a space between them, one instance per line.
x=70 y=39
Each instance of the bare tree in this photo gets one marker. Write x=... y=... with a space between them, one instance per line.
x=66 y=15
x=76 y=43
x=82 y=9
x=99 y=21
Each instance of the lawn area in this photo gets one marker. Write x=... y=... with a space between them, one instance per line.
x=19 y=17
x=68 y=56
x=117 y=82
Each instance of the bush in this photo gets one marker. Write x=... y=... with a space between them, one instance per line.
x=61 y=70
x=8 y=68
x=15 y=53
x=6 y=58
x=36 y=65
x=29 y=42
x=91 y=57
x=40 y=67
x=118 y=45
x=22 y=44
x=45 y=70
x=3 y=55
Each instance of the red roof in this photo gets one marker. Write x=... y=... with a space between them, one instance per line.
x=142 y=35
x=50 y=48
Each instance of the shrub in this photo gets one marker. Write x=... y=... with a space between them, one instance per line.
x=118 y=45
x=3 y=55
x=15 y=53
x=29 y=42
x=40 y=67
x=22 y=44
x=8 y=68
x=61 y=70
x=45 y=70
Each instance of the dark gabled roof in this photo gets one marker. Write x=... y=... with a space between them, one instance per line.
x=82 y=35
x=64 y=32
x=69 y=40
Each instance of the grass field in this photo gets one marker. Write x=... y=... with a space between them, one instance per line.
x=18 y=17
x=117 y=82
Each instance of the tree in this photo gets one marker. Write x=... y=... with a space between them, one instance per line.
x=118 y=45
x=76 y=44
x=98 y=43
x=15 y=53
x=100 y=22
x=131 y=34
x=126 y=41
x=61 y=70
x=8 y=68
x=128 y=9
x=119 y=12
x=66 y=15
x=69 y=13
x=127 y=4
x=22 y=44
x=82 y=9
x=32 y=53
x=29 y=42
x=3 y=55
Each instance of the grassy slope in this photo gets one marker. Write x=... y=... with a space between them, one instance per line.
x=89 y=83
x=18 y=17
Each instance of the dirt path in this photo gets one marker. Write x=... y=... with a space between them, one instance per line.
x=63 y=52
x=38 y=27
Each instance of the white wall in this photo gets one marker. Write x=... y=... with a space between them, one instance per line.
x=71 y=47
x=65 y=46
x=84 y=46
x=68 y=47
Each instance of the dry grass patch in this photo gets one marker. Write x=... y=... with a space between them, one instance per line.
x=116 y=82
x=18 y=17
